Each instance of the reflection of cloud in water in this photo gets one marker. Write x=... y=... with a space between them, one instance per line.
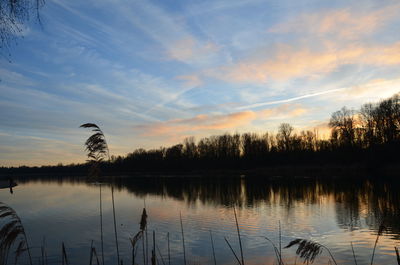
x=333 y=212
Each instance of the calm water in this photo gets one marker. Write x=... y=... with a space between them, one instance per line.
x=331 y=212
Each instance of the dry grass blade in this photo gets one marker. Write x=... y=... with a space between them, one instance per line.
x=397 y=255
x=277 y=252
x=309 y=250
x=159 y=253
x=136 y=238
x=18 y=252
x=11 y=232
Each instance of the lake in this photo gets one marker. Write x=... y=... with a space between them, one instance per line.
x=331 y=211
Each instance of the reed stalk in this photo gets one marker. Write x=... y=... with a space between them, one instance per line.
x=101 y=228
x=237 y=259
x=397 y=255
x=240 y=240
x=354 y=254
x=169 y=252
x=147 y=247
x=153 y=251
x=380 y=231
x=277 y=253
x=91 y=253
x=183 y=240
x=144 y=250
x=213 y=250
x=64 y=255
x=280 y=243
x=115 y=224
x=143 y=227
x=159 y=253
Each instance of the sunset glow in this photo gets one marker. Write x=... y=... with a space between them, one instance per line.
x=151 y=73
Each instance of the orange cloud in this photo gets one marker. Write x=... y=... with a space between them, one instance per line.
x=188 y=49
x=219 y=122
x=371 y=89
x=288 y=63
x=199 y=122
x=190 y=80
x=283 y=111
x=341 y=24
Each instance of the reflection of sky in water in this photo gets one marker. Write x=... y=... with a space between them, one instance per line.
x=69 y=213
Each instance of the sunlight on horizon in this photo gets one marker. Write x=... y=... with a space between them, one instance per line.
x=151 y=73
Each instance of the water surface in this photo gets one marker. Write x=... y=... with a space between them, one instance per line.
x=333 y=212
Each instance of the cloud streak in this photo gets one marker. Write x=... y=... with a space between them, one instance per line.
x=261 y=104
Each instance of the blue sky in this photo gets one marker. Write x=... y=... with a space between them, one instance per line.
x=151 y=73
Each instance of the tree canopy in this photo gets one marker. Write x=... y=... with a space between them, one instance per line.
x=14 y=14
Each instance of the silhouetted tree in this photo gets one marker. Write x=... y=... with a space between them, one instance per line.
x=13 y=15
x=284 y=136
x=342 y=123
x=370 y=136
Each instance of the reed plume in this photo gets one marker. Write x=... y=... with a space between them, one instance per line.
x=97 y=150
x=11 y=233
x=309 y=250
x=96 y=144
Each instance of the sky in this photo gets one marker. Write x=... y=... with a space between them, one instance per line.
x=151 y=73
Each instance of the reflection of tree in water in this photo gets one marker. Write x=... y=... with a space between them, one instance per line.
x=355 y=198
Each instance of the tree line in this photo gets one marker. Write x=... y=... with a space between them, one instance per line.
x=369 y=136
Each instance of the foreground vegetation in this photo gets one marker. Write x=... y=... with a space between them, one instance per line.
x=369 y=137
x=14 y=246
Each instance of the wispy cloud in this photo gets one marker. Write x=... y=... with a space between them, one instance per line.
x=189 y=50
